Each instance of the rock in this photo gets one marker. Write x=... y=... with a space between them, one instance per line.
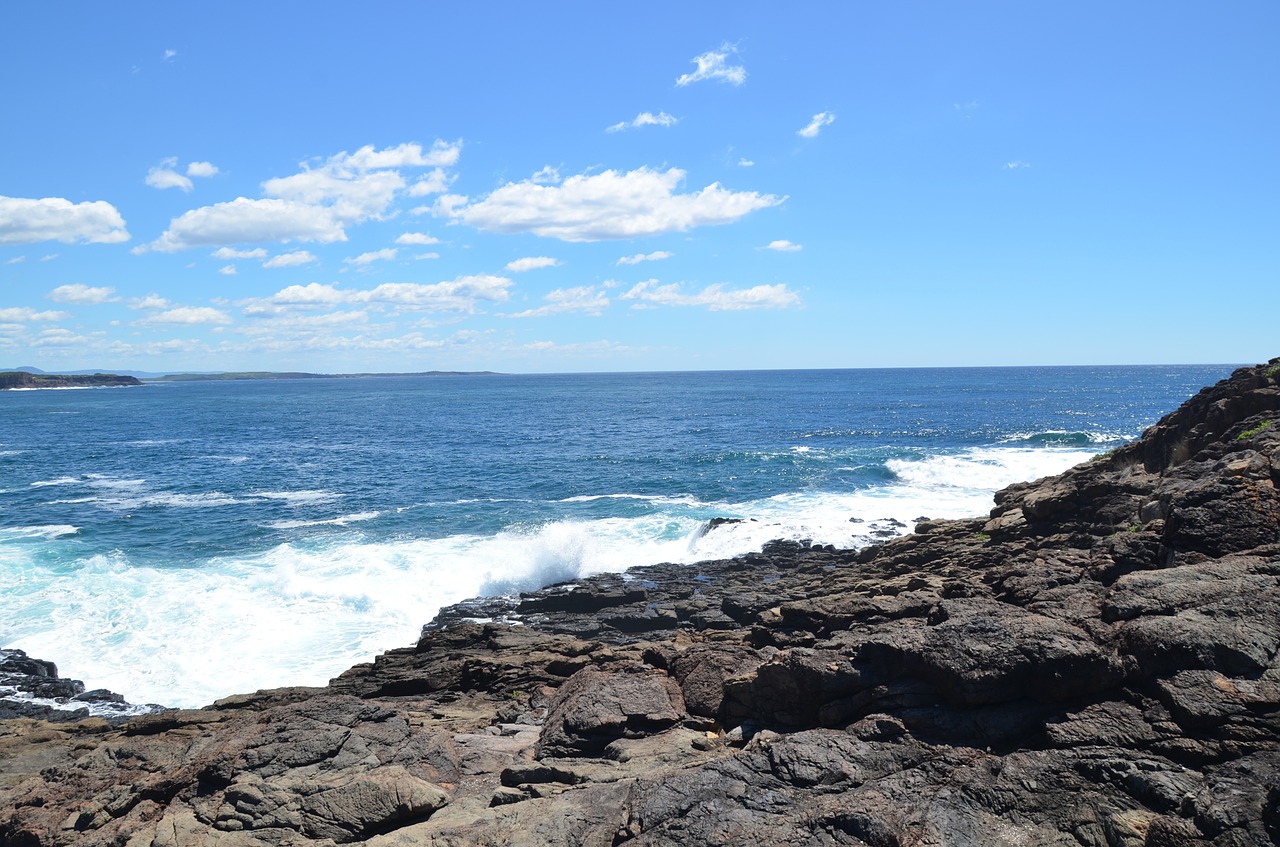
x=1096 y=662
x=595 y=707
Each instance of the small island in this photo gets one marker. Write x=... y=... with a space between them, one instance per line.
x=22 y=379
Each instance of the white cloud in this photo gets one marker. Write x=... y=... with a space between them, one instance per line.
x=312 y=296
x=655 y=256
x=361 y=185
x=188 y=316
x=532 y=263
x=436 y=182
x=417 y=238
x=714 y=297
x=1017 y=165
x=58 y=337
x=290 y=260
x=784 y=246
x=169 y=54
x=546 y=176
x=644 y=119
x=386 y=254
x=745 y=163
x=16 y=260
x=714 y=64
x=228 y=253
x=49 y=257
x=22 y=313
x=163 y=175
x=202 y=169
x=426 y=255
x=584 y=298
x=151 y=301
x=351 y=196
x=458 y=295
x=815 y=126
x=227 y=270
x=79 y=293
x=442 y=153
x=604 y=206
x=315 y=204
x=243 y=220
x=27 y=221
x=462 y=294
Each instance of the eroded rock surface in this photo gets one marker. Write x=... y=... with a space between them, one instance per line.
x=1096 y=662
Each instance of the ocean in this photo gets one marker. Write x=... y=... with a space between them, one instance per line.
x=181 y=542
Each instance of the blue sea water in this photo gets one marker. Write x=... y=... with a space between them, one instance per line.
x=180 y=542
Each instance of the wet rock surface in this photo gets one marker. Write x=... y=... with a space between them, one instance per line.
x=1096 y=662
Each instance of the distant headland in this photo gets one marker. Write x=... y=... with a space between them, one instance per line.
x=23 y=379
x=197 y=377
x=29 y=377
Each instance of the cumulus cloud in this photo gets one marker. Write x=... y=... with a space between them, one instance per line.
x=83 y=294
x=202 y=169
x=242 y=220
x=532 y=263
x=815 y=126
x=188 y=316
x=745 y=163
x=151 y=301
x=458 y=295
x=436 y=182
x=783 y=246
x=655 y=256
x=226 y=253
x=462 y=294
x=290 y=260
x=441 y=154
x=547 y=175
x=714 y=64
x=386 y=254
x=58 y=337
x=607 y=205
x=1016 y=165
x=584 y=298
x=715 y=297
x=644 y=119
x=315 y=204
x=27 y=221
x=312 y=296
x=227 y=270
x=163 y=175
x=417 y=238
x=22 y=314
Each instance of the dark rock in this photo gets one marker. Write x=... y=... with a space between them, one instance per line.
x=1096 y=662
x=595 y=707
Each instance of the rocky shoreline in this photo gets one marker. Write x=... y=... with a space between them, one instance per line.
x=1097 y=662
x=24 y=380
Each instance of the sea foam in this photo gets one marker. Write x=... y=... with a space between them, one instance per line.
x=186 y=633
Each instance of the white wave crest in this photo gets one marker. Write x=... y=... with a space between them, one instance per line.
x=294 y=498
x=46 y=531
x=342 y=520
x=62 y=480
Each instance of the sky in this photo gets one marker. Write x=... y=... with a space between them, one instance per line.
x=572 y=186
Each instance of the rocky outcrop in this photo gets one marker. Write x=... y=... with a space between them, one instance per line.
x=22 y=379
x=1096 y=662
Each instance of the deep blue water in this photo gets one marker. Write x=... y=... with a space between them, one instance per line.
x=183 y=541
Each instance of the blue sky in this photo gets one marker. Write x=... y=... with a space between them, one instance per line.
x=603 y=187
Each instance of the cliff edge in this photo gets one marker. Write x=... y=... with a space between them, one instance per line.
x=1096 y=662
